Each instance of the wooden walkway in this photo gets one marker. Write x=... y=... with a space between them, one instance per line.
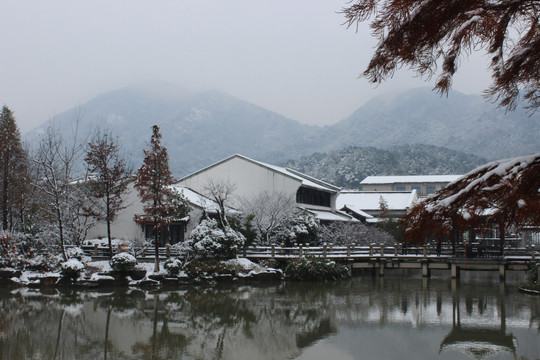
x=379 y=258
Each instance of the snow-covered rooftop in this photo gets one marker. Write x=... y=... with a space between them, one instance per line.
x=370 y=200
x=331 y=216
x=409 y=179
x=357 y=211
x=197 y=199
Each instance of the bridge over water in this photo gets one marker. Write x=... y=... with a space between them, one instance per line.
x=384 y=258
x=379 y=258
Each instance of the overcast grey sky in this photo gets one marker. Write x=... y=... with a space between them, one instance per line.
x=292 y=57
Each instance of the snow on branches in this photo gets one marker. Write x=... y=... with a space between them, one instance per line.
x=504 y=192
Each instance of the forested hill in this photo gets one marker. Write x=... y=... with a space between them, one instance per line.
x=349 y=166
x=200 y=128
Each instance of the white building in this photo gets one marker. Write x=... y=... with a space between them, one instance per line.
x=251 y=178
x=125 y=227
x=423 y=184
x=366 y=205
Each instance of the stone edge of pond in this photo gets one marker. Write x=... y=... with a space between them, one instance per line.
x=12 y=277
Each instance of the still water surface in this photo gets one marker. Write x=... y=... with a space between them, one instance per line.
x=363 y=318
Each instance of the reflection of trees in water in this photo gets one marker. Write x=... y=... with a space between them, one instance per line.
x=49 y=326
x=227 y=322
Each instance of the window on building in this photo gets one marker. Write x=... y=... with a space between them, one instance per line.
x=400 y=188
x=430 y=189
x=172 y=234
x=310 y=196
x=417 y=188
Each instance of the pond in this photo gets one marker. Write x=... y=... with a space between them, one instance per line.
x=395 y=317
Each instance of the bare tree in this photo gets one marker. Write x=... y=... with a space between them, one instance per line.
x=348 y=232
x=270 y=211
x=221 y=191
x=56 y=159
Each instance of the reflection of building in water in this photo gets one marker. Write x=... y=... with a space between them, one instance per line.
x=479 y=343
x=278 y=322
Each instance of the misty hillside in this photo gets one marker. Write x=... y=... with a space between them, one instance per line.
x=462 y=122
x=348 y=167
x=198 y=128
x=202 y=128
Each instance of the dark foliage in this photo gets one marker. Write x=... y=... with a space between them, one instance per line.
x=427 y=34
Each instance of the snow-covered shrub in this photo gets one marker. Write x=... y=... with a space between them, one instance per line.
x=72 y=269
x=17 y=250
x=347 y=232
x=173 y=266
x=208 y=239
x=77 y=253
x=123 y=263
x=316 y=269
x=43 y=263
x=301 y=228
x=199 y=269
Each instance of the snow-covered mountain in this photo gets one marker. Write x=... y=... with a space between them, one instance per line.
x=198 y=128
x=461 y=122
x=204 y=127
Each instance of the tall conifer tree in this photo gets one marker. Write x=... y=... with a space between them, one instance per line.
x=13 y=166
x=153 y=182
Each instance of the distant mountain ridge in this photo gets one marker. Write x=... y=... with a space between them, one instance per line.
x=204 y=127
x=198 y=128
x=461 y=122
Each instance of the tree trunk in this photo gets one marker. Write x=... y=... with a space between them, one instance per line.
x=5 y=197
x=156 y=247
x=108 y=217
x=60 y=228
x=502 y=236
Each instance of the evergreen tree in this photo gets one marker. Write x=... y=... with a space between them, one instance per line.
x=13 y=168
x=108 y=179
x=153 y=182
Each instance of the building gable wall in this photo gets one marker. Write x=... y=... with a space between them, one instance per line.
x=248 y=177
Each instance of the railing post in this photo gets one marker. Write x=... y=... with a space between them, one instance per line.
x=96 y=250
x=348 y=250
x=533 y=253
x=244 y=251
x=401 y=249
x=273 y=251
x=324 y=250
x=370 y=249
x=395 y=250
x=300 y=250
x=168 y=251
x=382 y=249
x=425 y=251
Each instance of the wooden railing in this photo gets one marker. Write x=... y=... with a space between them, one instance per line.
x=348 y=252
